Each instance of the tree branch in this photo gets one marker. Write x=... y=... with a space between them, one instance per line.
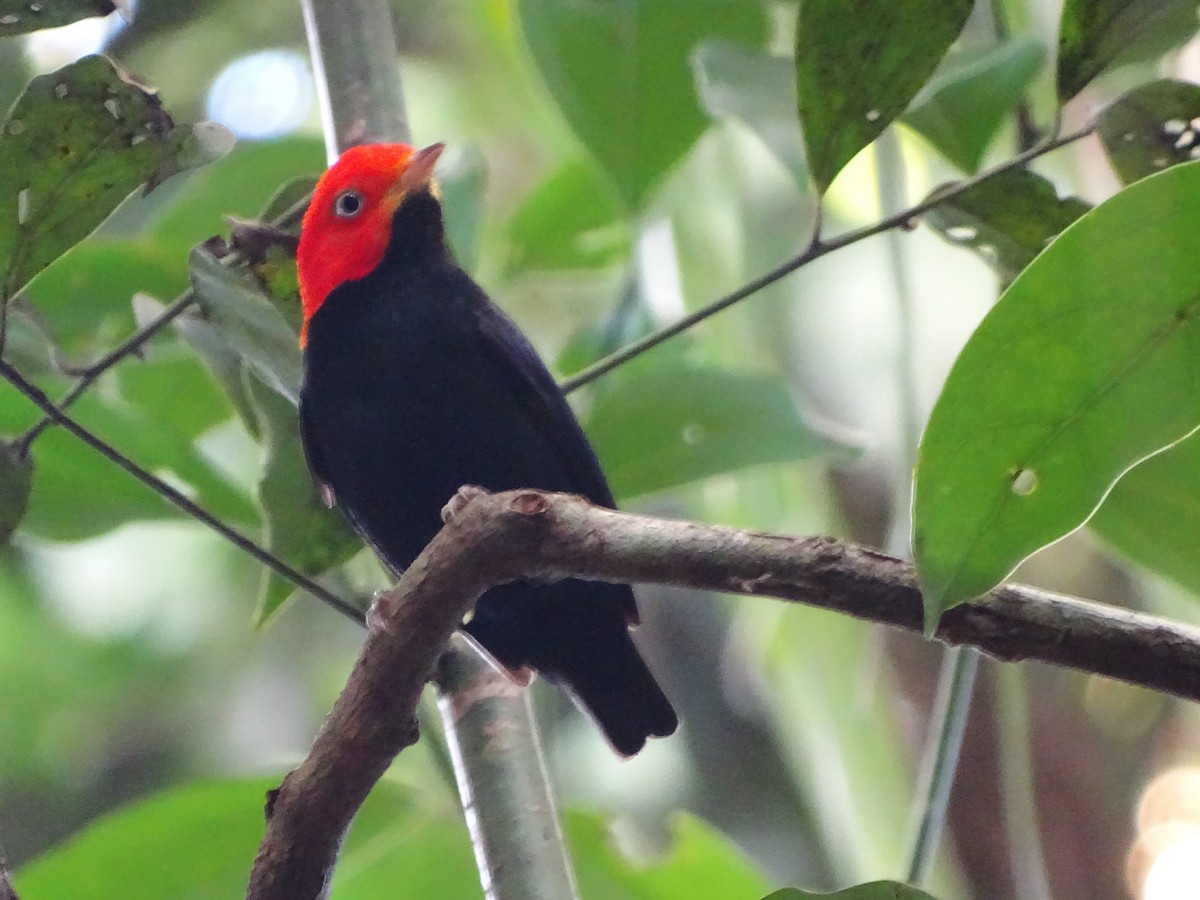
x=7 y=891
x=499 y=537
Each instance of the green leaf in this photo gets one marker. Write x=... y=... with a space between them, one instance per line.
x=1152 y=515
x=858 y=65
x=1150 y=128
x=22 y=17
x=620 y=73
x=84 y=301
x=1008 y=219
x=1085 y=367
x=16 y=481
x=75 y=145
x=758 y=90
x=876 y=890
x=1094 y=35
x=301 y=529
x=661 y=425
x=236 y=307
x=572 y=220
x=962 y=109
x=700 y=863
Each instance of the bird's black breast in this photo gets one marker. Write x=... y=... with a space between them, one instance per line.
x=415 y=384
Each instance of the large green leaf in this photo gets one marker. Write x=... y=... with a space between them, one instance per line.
x=572 y=220
x=21 y=16
x=301 y=529
x=659 y=425
x=621 y=74
x=758 y=90
x=1152 y=515
x=1008 y=219
x=1096 y=34
x=76 y=143
x=858 y=65
x=1085 y=367
x=1150 y=128
x=962 y=109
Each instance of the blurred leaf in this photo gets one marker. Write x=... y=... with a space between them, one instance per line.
x=853 y=79
x=1152 y=515
x=572 y=220
x=172 y=387
x=462 y=183
x=16 y=480
x=620 y=74
x=241 y=184
x=288 y=195
x=86 y=297
x=758 y=90
x=239 y=311
x=1150 y=128
x=876 y=890
x=76 y=143
x=701 y=863
x=196 y=841
x=21 y=16
x=77 y=493
x=660 y=425
x=1008 y=219
x=1094 y=35
x=960 y=111
x=1085 y=367
x=300 y=529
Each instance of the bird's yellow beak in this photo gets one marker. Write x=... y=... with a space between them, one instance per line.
x=416 y=175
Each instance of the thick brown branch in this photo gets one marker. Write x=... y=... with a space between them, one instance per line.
x=498 y=537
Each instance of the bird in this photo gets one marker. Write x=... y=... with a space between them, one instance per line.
x=416 y=384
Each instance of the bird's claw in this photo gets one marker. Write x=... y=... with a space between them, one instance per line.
x=379 y=612
x=463 y=496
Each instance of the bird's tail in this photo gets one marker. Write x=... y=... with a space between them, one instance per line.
x=575 y=634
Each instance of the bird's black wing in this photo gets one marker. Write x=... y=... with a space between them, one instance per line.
x=316 y=463
x=516 y=364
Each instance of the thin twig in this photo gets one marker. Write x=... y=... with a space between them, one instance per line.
x=814 y=251
x=171 y=495
x=499 y=537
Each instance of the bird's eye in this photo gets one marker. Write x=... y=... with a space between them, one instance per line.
x=348 y=204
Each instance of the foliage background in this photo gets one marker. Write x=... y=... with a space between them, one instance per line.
x=618 y=190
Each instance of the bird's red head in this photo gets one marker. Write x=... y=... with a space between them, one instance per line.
x=348 y=224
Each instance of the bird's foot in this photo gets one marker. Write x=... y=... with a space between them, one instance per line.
x=463 y=496
x=379 y=612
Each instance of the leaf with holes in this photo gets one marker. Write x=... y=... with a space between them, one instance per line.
x=1007 y=219
x=621 y=74
x=77 y=142
x=858 y=65
x=22 y=16
x=301 y=529
x=1094 y=35
x=663 y=424
x=1154 y=126
x=1085 y=367
x=960 y=111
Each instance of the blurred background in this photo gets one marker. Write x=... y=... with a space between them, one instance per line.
x=128 y=657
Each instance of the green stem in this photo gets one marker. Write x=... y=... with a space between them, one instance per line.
x=1028 y=864
x=956 y=684
x=506 y=796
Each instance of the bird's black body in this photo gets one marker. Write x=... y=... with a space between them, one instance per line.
x=416 y=384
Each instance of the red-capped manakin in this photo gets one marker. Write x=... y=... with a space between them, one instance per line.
x=415 y=384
